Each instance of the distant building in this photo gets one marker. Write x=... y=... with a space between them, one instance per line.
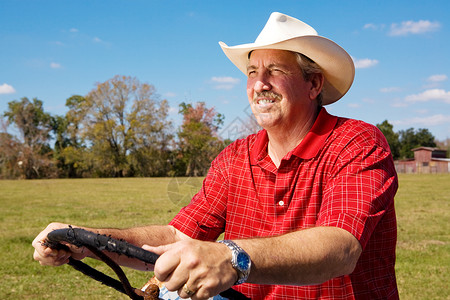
x=426 y=160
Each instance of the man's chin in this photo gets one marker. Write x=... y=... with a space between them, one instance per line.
x=266 y=120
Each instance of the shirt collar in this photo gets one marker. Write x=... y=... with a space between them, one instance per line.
x=309 y=146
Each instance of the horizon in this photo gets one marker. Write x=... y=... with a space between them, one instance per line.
x=51 y=50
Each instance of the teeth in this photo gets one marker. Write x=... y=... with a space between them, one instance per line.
x=264 y=101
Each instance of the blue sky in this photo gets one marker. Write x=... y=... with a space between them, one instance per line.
x=52 y=50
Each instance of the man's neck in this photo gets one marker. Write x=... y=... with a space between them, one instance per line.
x=278 y=148
x=284 y=140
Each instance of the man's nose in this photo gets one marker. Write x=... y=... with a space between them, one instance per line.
x=262 y=84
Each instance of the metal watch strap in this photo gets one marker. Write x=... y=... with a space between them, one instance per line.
x=237 y=251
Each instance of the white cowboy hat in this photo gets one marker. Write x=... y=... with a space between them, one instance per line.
x=287 y=33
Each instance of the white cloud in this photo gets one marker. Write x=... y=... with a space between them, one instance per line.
x=411 y=27
x=54 y=65
x=370 y=26
x=437 y=78
x=354 y=105
x=229 y=80
x=170 y=94
x=73 y=30
x=6 y=89
x=430 y=95
x=99 y=41
x=422 y=111
x=173 y=110
x=224 y=87
x=391 y=89
x=373 y=26
x=369 y=100
x=224 y=83
x=398 y=104
x=434 y=120
x=364 y=63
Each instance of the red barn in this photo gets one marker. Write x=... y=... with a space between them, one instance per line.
x=426 y=160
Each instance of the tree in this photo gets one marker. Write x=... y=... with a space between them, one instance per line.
x=70 y=152
x=125 y=124
x=74 y=118
x=10 y=165
x=150 y=138
x=425 y=138
x=391 y=137
x=410 y=139
x=33 y=125
x=444 y=145
x=198 y=140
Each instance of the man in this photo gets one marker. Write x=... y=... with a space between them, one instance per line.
x=306 y=204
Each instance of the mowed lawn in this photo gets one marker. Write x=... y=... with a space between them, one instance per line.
x=422 y=203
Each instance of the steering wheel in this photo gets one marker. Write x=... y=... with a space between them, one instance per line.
x=97 y=243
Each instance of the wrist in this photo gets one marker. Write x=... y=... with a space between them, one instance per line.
x=240 y=261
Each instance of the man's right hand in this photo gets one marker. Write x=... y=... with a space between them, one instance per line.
x=51 y=257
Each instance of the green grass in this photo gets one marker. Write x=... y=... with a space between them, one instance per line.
x=422 y=203
x=423 y=249
x=28 y=206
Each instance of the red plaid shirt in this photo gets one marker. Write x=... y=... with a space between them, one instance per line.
x=341 y=174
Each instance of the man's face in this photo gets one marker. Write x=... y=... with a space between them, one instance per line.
x=279 y=96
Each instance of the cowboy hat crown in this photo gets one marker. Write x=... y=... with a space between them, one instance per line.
x=287 y=33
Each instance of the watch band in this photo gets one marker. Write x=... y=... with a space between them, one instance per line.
x=240 y=260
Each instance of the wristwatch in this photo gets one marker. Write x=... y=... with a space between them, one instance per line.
x=240 y=260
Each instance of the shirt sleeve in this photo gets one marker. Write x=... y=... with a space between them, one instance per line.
x=204 y=218
x=362 y=187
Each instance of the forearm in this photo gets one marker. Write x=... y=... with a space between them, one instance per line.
x=304 y=257
x=154 y=235
x=151 y=235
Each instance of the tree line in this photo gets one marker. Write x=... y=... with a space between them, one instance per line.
x=122 y=129
x=403 y=141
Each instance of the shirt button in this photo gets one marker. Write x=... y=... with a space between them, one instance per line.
x=281 y=203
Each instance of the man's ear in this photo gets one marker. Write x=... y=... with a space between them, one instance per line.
x=317 y=81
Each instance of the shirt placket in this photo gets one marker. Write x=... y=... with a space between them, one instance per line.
x=281 y=193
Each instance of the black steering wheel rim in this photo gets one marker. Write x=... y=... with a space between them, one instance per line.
x=97 y=243
x=80 y=237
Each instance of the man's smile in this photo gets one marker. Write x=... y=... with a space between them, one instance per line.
x=266 y=98
x=264 y=101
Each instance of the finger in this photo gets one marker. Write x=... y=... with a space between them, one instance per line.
x=56 y=258
x=166 y=264
x=46 y=255
x=38 y=242
x=186 y=291
x=41 y=251
x=75 y=249
x=158 y=249
x=79 y=255
x=39 y=245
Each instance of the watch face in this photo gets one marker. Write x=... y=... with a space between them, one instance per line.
x=243 y=261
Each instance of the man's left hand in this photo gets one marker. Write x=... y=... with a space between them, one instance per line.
x=196 y=269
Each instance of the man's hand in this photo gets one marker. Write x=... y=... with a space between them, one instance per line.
x=51 y=257
x=195 y=269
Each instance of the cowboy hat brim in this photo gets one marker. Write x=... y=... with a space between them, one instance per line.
x=337 y=65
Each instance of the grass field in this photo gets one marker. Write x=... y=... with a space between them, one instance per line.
x=422 y=203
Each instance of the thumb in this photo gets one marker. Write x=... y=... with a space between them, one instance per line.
x=158 y=249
